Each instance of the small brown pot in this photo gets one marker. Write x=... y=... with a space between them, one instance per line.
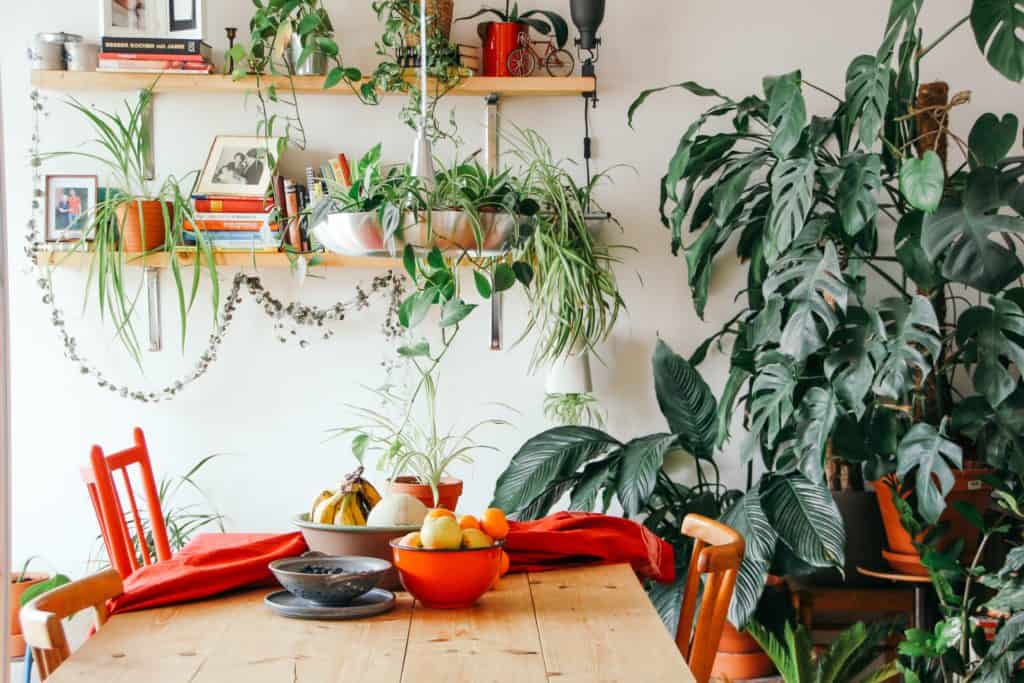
x=968 y=487
x=448 y=491
x=16 y=642
x=739 y=657
x=132 y=239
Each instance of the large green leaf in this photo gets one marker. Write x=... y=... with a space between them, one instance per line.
x=965 y=236
x=738 y=377
x=685 y=400
x=815 y=420
x=990 y=335
x=929 y=454
x=641 y=461
x=596 y=475
x=856 y=198
x=911 y=336
x=790 y=659
x=922 y=181
x=816 y=290
x=545 y=460
x=787 y=111
x=792 y=183
x=867 y=96
x=997 y=432
x=850 y=367
x=747 y=517
x=771 y=402
x=998 y=25
x=991 y=139
x=916 y=264
x=1002 y=660
x=902 y=19
x=806 y=518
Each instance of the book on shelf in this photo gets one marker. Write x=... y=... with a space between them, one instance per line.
x=237 y=224
x=174 y=46
x=160 y=57
x=207 y=204
x=138 y=66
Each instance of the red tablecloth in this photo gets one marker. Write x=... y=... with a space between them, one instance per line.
x=216 y=563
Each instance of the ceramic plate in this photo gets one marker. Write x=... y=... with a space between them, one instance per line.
x=376 y=601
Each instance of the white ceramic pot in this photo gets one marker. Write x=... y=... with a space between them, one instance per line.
x=352 y=234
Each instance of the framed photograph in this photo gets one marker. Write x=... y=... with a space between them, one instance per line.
x=237 y=166
x=131 y=18
x=185 y=18
x=70 y=200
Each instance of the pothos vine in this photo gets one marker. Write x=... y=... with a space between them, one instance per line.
x=388 y=285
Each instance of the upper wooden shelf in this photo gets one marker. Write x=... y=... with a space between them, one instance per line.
x=187 y=83
x=239 y=259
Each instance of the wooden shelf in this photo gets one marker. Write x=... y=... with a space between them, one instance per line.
x=477 y=86
x=237 y=259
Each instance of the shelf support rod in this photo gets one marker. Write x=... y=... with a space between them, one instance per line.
x=151 y=277
x=491 y=157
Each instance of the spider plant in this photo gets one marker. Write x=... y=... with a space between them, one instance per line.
x=574 y=295
x=120 y=146
x=575 y=410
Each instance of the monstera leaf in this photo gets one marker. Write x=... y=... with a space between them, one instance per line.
x=916 y=264
x=997 y=432
x=991 y=335
x=815 y=419
x=806 y=518
x=686 y=401
x=998 y=25
x=817 y=292
x=991 y=139
x=867 y=96
x=787 y=111
x=964 y=235
x=857 y=353
x=771 y=400
x=902 y=20
x=861 y=181
x=911 y=336
x=792 y=182
x=748 y=518
x=550 y=458
x=930 y=455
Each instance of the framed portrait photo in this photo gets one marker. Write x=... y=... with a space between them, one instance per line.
x=186 y=18
x=132 y=18
x=237 y=166
x=70 y=200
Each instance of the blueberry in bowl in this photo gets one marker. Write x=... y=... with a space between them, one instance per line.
x=327 y=580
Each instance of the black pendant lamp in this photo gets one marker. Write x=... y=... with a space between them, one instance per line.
x=587 y=15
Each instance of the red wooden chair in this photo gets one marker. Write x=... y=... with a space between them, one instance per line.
x=717 y=554
x=99 y=478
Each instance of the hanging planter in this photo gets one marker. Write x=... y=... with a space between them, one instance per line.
x=485 y=231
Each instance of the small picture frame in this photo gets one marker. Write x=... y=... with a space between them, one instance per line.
x=237 y=166
x=132 y=18
x=70 y=201
x=186 y=19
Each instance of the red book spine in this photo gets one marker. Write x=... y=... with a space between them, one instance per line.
x=345 y=170
x=210 y=205
x=162 y=57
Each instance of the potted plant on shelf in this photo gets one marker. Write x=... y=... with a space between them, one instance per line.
x=135 y=220
x=826 y=363
x=500 y=38
x=412 y=447
x=25 y=586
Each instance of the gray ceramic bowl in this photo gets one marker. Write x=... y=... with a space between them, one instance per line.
x=332 y=588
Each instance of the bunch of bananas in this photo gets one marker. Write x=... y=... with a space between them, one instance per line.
x=349 y=505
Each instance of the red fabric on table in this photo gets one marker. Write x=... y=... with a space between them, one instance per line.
x=572 y=539
x=209 y=565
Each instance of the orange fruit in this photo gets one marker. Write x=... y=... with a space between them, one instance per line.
x=494 y=524
x=468 y=522
x=437 y=513
x=506 y=562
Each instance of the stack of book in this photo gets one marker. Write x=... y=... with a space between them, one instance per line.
x=155 y=55
x=234 y=223
x=470 y=58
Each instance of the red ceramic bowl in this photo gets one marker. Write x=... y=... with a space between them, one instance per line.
x=446 y=579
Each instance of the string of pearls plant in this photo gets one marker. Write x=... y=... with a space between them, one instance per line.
x=295 y=315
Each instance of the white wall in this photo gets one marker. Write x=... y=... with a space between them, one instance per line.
x=269 y=405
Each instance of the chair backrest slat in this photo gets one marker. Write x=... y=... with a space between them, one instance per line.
x=717 y=554
x=41 y=617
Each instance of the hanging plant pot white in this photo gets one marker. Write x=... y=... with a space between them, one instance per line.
x=455 y=231
x=352 y=234
x=570 y=375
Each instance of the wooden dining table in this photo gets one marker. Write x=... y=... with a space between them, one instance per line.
x=582 y=625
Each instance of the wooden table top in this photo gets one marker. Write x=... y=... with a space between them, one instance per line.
x=567 y=626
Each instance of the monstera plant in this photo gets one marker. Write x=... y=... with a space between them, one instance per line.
x=897 y=357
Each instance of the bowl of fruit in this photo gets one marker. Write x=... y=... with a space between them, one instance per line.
x=329 y=581
x=452 y=561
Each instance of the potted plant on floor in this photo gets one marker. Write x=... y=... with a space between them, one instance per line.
x=135 y=220
x=25 y=586
x=506 y=34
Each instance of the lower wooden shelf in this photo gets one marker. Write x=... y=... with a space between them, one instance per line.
x=238 y=259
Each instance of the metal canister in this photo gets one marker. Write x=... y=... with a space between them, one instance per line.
x=47 y=50
x=82 y=56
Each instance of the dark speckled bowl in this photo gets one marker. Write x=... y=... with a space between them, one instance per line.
x=359 y=575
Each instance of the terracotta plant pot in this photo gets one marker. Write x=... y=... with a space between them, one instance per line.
x=131 y=227
x=448 y=491
x=500 y=39
x=16 y=642
x=967 y=488
x=739 y=657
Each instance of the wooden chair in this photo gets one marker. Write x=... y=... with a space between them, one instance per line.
x=717 y=553
x=41 y=618
x=106 y=501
